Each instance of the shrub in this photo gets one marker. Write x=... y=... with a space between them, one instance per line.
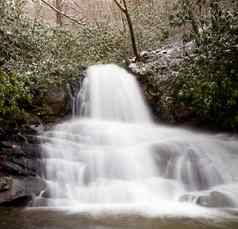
x=208 y=79
x=14 y=92
x=34 y=56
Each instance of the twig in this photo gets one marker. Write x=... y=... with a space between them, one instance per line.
x=120 y=6
x=62 y=13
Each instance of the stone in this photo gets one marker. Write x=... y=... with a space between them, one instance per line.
x=21 y=190
x=215 y=199
x=21 y=159
x=32 y=150
x=5 y=183
x=211 y=199
x=157 y=71
x=21 y=201
x=12 y=168
x=56 y=99
x=183 y=113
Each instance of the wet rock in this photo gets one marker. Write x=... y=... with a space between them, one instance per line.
x=40 y=202
x=19 y=159
x=56 y=100
x=187 y=165
x=190 y=198
x=32 y=150
x=5 y=183
x=13 y=150
x=197 y=171
x=157 y=72
x=212 y=199
x=21 y=201
x=215 y=199
x=9 y=144
x=30 y=166
x=183 y=113
x=20 y=164
x=12 y=168
x=20 y=190
x=46 y=194
x=165 y=157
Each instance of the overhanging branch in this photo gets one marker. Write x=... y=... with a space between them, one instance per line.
x=120 y=6
x=63 y=14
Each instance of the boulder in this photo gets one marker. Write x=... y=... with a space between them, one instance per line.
x=215 y=199
x=212 y=199
x=17 y=191
x=5 y=184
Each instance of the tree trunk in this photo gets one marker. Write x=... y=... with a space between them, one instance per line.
x=59 y=18
x=124 y=9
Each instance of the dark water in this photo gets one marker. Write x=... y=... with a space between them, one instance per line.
x=56 y=219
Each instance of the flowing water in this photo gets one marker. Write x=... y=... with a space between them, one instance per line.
x=111 y=160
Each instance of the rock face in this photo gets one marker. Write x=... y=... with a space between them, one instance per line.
x=56 y=99
x=20 y=148
x=157 y=73
x=18 y=191
x=19 y=166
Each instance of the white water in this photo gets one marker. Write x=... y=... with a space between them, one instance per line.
x=112 y=154
x=110 y=93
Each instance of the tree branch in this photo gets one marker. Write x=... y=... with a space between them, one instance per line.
x=75 y=3
x=120 y=6
x=62 y=13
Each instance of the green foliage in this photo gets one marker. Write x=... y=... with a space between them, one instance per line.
x=208 y=79
x=151 y=22
x=13 y=93
x=104 y=45
x=34 y=56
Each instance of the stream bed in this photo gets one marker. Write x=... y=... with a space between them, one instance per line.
x=49 y=218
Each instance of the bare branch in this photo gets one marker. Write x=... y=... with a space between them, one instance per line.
x=120 y=6
x=125 y=5
x=75 y=3
x=62 y=13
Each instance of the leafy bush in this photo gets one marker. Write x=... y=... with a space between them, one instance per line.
x=208 y=79
x=13 y=93
x=34 y=56
x=151 y=22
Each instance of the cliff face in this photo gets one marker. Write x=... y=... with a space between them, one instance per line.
x=19 y=165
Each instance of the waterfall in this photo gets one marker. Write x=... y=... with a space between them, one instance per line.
x=111 y=93
x=111 y=152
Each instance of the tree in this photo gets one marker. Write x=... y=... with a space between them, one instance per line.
x=59 y=16
x=79 y=22
x=124 y=9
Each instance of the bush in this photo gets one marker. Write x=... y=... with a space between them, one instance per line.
x=13 y=93
x=208 y=79
x=34 y=56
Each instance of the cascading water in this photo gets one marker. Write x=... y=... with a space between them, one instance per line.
x=112 y=153
x=110 y=93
